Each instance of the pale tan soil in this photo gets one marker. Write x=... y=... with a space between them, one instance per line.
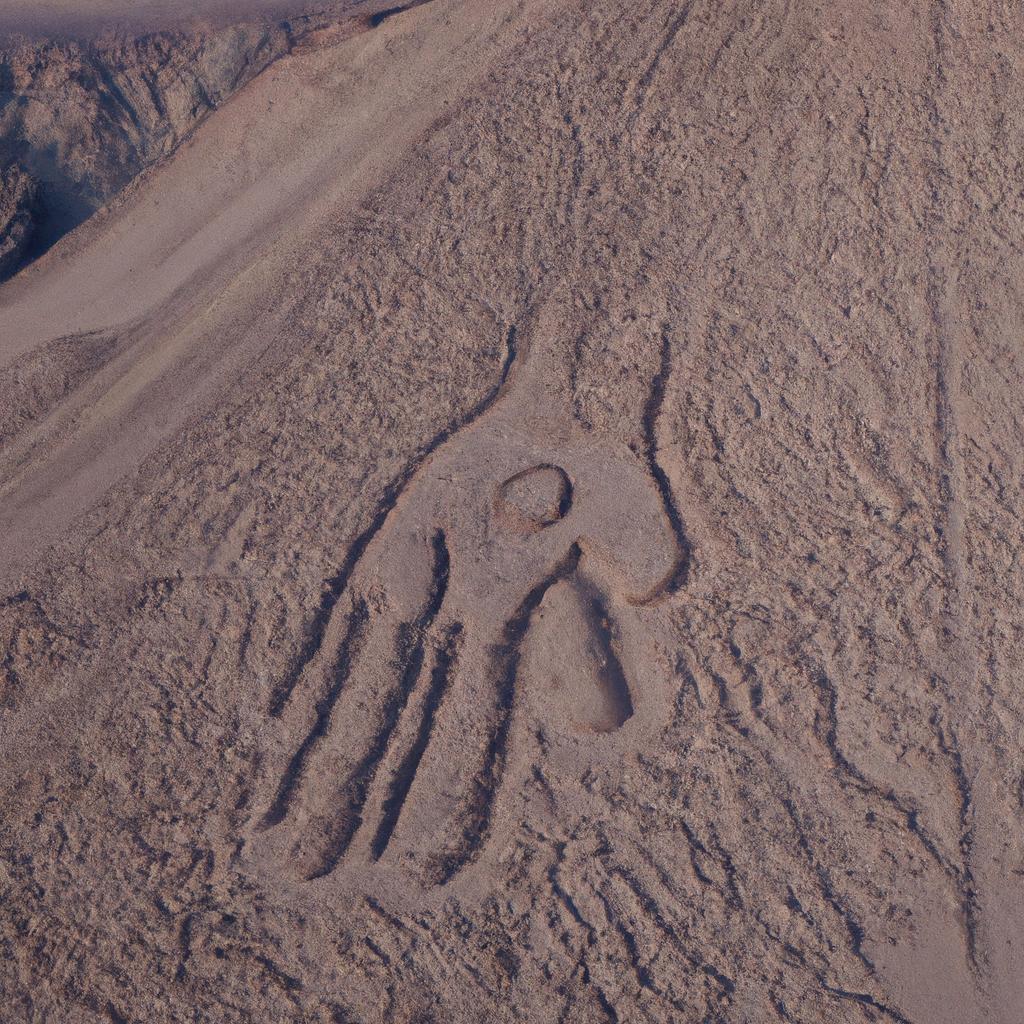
x=518 y=520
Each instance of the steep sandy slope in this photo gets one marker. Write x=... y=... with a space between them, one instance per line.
x=518 y=520
x=80 y=117
x=186 y=280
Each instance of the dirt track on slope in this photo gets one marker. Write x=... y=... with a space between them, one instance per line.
x=518 y=520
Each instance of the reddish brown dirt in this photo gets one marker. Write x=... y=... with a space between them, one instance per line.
x=518 y=519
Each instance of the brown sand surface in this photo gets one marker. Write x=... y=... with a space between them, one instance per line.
x=518 y=519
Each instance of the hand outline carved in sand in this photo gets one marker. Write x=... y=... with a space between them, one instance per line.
x=400 y=711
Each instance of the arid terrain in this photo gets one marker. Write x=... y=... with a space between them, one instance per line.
x=510 y=511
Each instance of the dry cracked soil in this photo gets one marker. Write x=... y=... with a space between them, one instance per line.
x=511 y=511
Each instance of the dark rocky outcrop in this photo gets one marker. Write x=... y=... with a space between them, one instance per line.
x=18 y=199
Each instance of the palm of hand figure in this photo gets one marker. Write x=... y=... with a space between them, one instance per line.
x=513 y=503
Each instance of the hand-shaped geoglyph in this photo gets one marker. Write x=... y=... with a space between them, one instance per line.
x=399 y=721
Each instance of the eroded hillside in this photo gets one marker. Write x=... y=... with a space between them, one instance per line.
x=80 y=118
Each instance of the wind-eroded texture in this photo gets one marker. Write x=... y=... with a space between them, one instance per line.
x=783 y=242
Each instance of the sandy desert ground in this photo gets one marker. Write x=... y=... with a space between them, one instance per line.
x=513 y=514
